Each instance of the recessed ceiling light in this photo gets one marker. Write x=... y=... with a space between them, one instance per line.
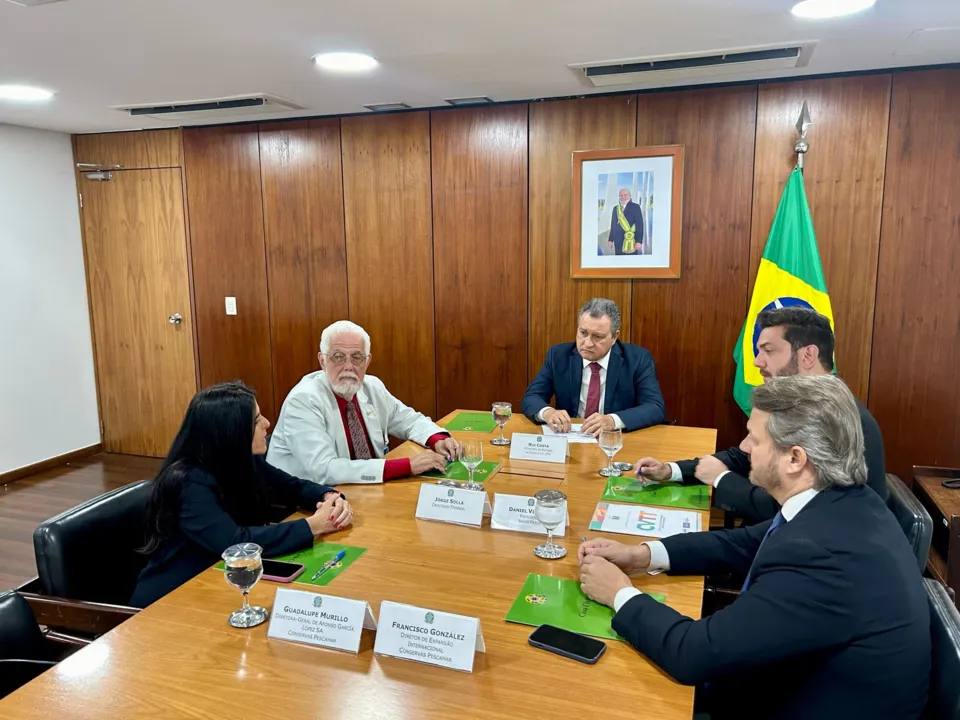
x=478 y=100
x=24 y=93
x=345 y=61
x=386 y=107
x=823 y=9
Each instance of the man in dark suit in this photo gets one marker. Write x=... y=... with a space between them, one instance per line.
x=626 y=226
x=792 y=341
x=832 y=620
x=609 y=383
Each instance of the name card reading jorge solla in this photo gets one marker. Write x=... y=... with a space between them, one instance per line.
x=452 y=505
x=428 y=636
x=325 y=620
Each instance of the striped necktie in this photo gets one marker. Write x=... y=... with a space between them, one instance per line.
x=778 y=520
x=358 y=436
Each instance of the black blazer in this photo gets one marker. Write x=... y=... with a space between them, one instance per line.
x=737 y=495
x=634 y=216
x=206 y=529
x=835 y=624
x=632 y=390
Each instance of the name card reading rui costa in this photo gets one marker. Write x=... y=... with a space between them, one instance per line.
x=324 y=620
x=428 y=636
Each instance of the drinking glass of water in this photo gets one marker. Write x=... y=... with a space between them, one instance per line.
x=610 y=442
x=550 y=511
x=242 y=568
x=471 y=455
x=502 y=411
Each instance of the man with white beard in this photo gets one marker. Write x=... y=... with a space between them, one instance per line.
x=335 y=425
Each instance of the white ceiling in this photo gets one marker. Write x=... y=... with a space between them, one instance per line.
x=98 y=53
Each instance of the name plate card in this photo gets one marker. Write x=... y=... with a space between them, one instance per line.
x=324 y=620
x=518 y=512
x=543 y=448
x=452 y=505
x=428 y=636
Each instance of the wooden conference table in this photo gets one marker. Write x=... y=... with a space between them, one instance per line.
x=179 y=657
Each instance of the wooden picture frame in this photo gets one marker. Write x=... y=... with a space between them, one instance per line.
x=649 y=179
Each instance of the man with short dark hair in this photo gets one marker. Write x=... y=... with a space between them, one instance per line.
x=609 y=383
x=832 y=621
x=793 y=341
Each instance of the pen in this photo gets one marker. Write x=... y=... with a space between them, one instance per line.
x=328 y=564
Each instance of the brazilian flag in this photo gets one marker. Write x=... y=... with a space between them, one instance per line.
x=790 y=275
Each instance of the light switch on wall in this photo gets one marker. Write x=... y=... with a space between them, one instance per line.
x=231 y=305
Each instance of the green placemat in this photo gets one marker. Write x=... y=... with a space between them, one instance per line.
x=472 y=422
x=554 y=601
x=457 y=471
x=693 y=497
x=313 y=559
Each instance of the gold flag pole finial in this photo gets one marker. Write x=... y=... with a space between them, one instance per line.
x=803 y=127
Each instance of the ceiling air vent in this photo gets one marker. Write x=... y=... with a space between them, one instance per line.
x=670 y=68
x=215 y=109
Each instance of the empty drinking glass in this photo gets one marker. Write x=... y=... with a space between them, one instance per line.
x=502 y=411
x=550 y=511
x=471 y=455
x=610 y=442
x=242 y=568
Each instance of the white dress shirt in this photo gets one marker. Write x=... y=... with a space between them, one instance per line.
x=677 y=476
x=585 y=388
x=660 y=558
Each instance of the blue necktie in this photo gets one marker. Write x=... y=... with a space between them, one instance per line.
x=778 y=520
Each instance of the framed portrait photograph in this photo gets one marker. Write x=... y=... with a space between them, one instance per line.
x=627 y=210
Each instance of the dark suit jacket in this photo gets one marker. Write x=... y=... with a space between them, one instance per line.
x=632 y=390
x=834 y=625
x=737 y=495
x=206 y=529
x=634 y=216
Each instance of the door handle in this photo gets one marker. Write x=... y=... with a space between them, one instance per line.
x=175 y=319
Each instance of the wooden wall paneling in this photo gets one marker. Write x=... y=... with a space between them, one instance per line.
x=479 y=159
x=387 y=203
x=137 y=277
x=303 y=231
x=226 y=227
x=691 y=324
x=914 y=393
x=557 y=129
x=843 y=176
x=138 y=150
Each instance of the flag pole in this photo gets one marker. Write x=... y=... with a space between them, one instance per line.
x=803 y=127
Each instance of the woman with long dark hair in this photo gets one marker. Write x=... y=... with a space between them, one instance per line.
x=215 y=490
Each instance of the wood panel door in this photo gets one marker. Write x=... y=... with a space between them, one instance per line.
x=136 y=255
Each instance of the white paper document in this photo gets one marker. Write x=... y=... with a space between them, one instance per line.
x=643 y=520
x=574 y=436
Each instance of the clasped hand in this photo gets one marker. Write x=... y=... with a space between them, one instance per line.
x=604 y=565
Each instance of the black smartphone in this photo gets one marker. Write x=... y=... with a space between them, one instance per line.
x=569 y=644
x=280 y=570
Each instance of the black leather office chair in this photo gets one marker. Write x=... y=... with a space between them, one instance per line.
x=24 y=653
x=944 y=700
x=913 y=518
x=90 y=552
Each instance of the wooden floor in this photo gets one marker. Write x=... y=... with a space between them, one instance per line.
x=26 y=503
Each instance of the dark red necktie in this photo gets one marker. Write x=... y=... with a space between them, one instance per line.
x=593 y=391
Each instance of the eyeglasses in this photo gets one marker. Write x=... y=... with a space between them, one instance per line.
x=338 y=358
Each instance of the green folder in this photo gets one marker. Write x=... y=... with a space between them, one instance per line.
x=554 y=601
x=482 y=422
x=313 y=559
x=693 y=497
x=458 y=471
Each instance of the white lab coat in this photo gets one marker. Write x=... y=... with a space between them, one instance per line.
x=309 y=440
